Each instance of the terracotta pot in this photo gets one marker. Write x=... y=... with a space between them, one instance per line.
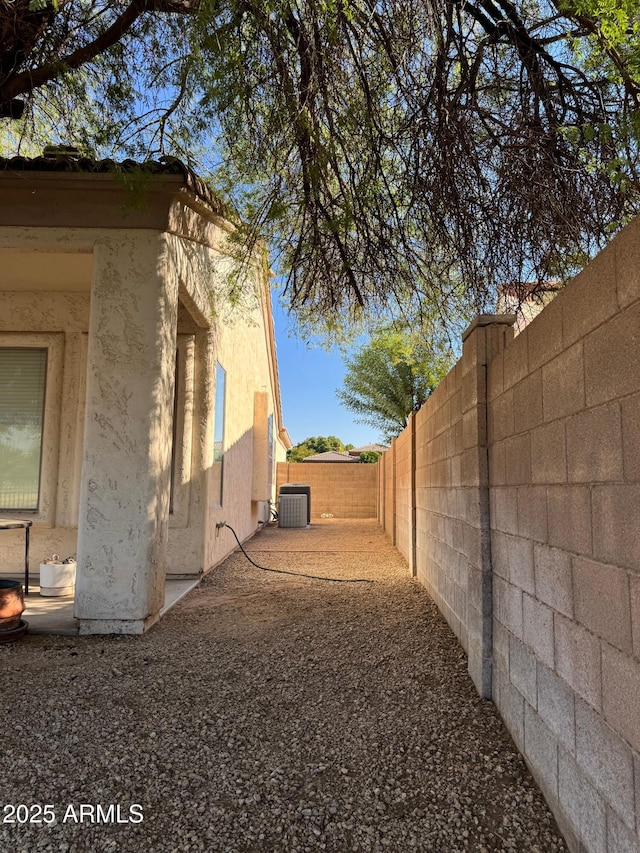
x=11 y=604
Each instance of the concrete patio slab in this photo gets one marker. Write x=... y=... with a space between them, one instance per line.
x=54 y=615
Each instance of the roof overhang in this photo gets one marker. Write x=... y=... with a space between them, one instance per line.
x=47 y=192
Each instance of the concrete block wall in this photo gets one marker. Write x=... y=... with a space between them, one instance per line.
x=454 y=501
x=390 y=492
x=405 y=496
x=343 y=490
x=441 y=561
x=564 y=435
x=527 y=504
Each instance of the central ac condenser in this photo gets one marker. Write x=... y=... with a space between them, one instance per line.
x=292 y=511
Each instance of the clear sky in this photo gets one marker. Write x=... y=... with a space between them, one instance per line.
x=309 y=379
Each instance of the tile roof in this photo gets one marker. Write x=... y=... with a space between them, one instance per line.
x=71 y=161
x=332 y=456
x=375 y=448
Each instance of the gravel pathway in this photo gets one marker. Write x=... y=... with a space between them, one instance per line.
x=266 y=713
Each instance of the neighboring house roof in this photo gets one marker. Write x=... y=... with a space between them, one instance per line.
x=368 y=448
x=332 y=456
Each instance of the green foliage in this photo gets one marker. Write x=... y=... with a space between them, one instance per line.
x=395 y=155
x=370 y=456
x=612 y=36
x=39 y=5
x=392 y=376
x=317 y=444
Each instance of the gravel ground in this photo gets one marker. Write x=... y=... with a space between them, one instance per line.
x=266 y=713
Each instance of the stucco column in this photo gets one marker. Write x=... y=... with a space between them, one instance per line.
x=124 y=497
x=482 y=341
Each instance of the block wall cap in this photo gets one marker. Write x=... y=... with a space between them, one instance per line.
x=489 y=320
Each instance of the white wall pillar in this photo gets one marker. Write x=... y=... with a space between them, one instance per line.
x=124 y=498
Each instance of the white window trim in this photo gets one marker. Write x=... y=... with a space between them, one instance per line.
x=183 y=432
x=217 y=501
x=54 y=344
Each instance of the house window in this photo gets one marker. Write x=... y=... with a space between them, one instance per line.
x=174 y=435
x=270 y=450
x=23 y=374
x=218 y=433
x=181 y=445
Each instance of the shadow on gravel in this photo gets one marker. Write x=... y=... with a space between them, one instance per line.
x=270 y=713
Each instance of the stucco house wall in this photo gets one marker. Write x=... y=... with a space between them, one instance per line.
x=58 y=321
x=129 y=302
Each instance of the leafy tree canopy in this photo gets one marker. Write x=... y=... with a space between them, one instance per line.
x=390 y=377
x=395 y=153
x=316 y=444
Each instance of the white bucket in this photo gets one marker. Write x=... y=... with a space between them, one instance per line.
x=57 y=578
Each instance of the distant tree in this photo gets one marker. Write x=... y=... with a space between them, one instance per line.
x=390 y=377
x=370 y=456
x=299 y=452
x=316 y=444
x=322 y=444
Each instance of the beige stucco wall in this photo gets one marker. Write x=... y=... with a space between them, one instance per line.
x=527 y=476
x=59 y=320
x=124 y=491
x=240 y=341
x=115 y=302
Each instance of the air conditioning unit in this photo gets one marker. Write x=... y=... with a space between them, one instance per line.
x=298 y=489
x=292 y=511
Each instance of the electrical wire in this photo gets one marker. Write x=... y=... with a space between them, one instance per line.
x=295 y=574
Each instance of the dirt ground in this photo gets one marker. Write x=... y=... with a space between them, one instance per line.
x=268 y=712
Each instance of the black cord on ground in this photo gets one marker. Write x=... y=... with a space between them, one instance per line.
x=295 y=574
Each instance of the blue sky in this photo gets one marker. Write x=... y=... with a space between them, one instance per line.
x=309 y=378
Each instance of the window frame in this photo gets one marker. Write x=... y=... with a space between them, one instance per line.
x=217 y=500
x=271 y=450
x=184 y=401
x=42 y=369
x=53 y=343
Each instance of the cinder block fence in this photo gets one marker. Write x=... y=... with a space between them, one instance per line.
x=339 y=489
x=514 y=495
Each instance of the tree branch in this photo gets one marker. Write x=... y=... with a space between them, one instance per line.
x=26 y=82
